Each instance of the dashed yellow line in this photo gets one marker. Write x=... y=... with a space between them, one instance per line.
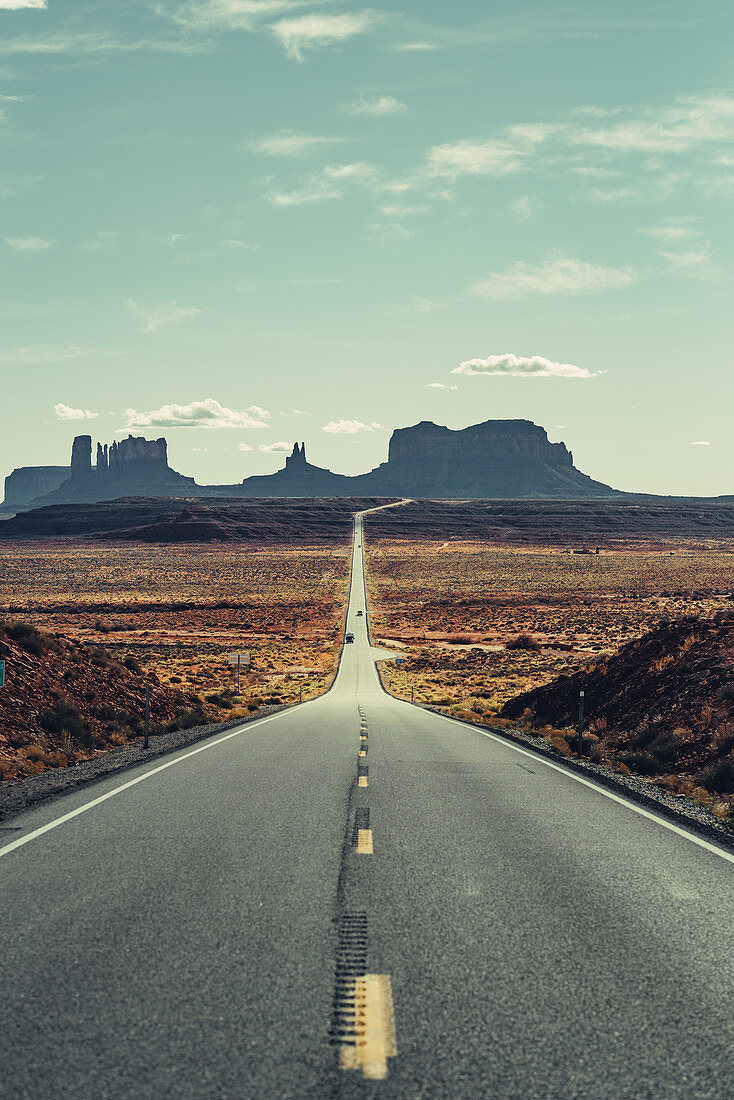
x=365 y=846
x=362 y=752
x=374 y=1026
x=363 y=782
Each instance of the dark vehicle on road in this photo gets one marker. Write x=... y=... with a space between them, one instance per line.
x=348 y=637
x=360 y=613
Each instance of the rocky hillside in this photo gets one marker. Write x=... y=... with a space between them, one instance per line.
x=663 y=706
x=63 y=702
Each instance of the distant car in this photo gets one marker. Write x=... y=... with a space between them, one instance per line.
x=360 y=612
x=348 y=637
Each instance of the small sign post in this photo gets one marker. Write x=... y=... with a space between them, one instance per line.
x=2 y=674
x=239 y=659
x=147 y=717
x=581 y=724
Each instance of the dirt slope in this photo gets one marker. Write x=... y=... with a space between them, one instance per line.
x=63 y=702
x=662 y=706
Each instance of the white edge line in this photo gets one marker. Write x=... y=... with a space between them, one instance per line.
x=244 y=728
x=602 y=791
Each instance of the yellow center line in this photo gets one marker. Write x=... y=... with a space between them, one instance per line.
x=364 y=843
x=374 y=1026
x=363 y=781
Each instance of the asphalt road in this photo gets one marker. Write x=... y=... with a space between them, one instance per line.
x=205 y=925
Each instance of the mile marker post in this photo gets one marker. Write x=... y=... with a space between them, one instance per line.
x=147 y=716
x=581 y=724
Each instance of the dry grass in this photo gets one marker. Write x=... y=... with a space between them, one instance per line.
x=179 y=611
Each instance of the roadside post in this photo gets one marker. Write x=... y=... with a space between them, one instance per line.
x=239 y=660
x=147 y=717
x=581 y=724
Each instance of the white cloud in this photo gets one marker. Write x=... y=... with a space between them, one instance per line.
x=65 y=412
x=315 y=191
x=14 y=5
x=292 y=143
x=474 y=158
x=556 y=274
x=199 y=414
x=202 y=450
x=377 y=106
x=439 y=386
x=519 y=366
x=672 y=232
x=32 y=245
x=230 y=14
x=524 y=208
x=349 y=427
x=357 y=170
x=275 y=448
x=306 y=32
x=166 y=313
x=695 y=263
x=244 y=447
x=689 y=122
x=700 y=443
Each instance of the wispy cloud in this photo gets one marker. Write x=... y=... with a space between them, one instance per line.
x=100 y=241
x=696 y=262
x=312 y=31
x=31 y=245
x=293 y=143
x=377 y=106
x=700 y=443
x=65 y=412
x=198 y=414
x=316 y=190
x=439 y=386
x=165 y=313
x=210 y=15
x=556 y=274
x=520 y=366
x=94 y=42
x=49 y=353
x=15 y=5
x=349 y=427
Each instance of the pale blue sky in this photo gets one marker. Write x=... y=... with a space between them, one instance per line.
x=274 y=217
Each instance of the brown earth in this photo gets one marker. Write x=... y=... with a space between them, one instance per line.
x=179 y=612
x=481 y=625
x=662 y=706
x=63 y=702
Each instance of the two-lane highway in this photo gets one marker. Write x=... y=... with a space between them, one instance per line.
x=359 y=898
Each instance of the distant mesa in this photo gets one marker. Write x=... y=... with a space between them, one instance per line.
x=132 y=467
x=498 y=459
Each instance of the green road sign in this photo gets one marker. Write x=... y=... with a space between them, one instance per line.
x=2 y=674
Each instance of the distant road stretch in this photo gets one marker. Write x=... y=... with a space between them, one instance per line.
x=356 y=897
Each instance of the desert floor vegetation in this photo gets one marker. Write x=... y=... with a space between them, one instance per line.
x=480 y=625
x=173 y=614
